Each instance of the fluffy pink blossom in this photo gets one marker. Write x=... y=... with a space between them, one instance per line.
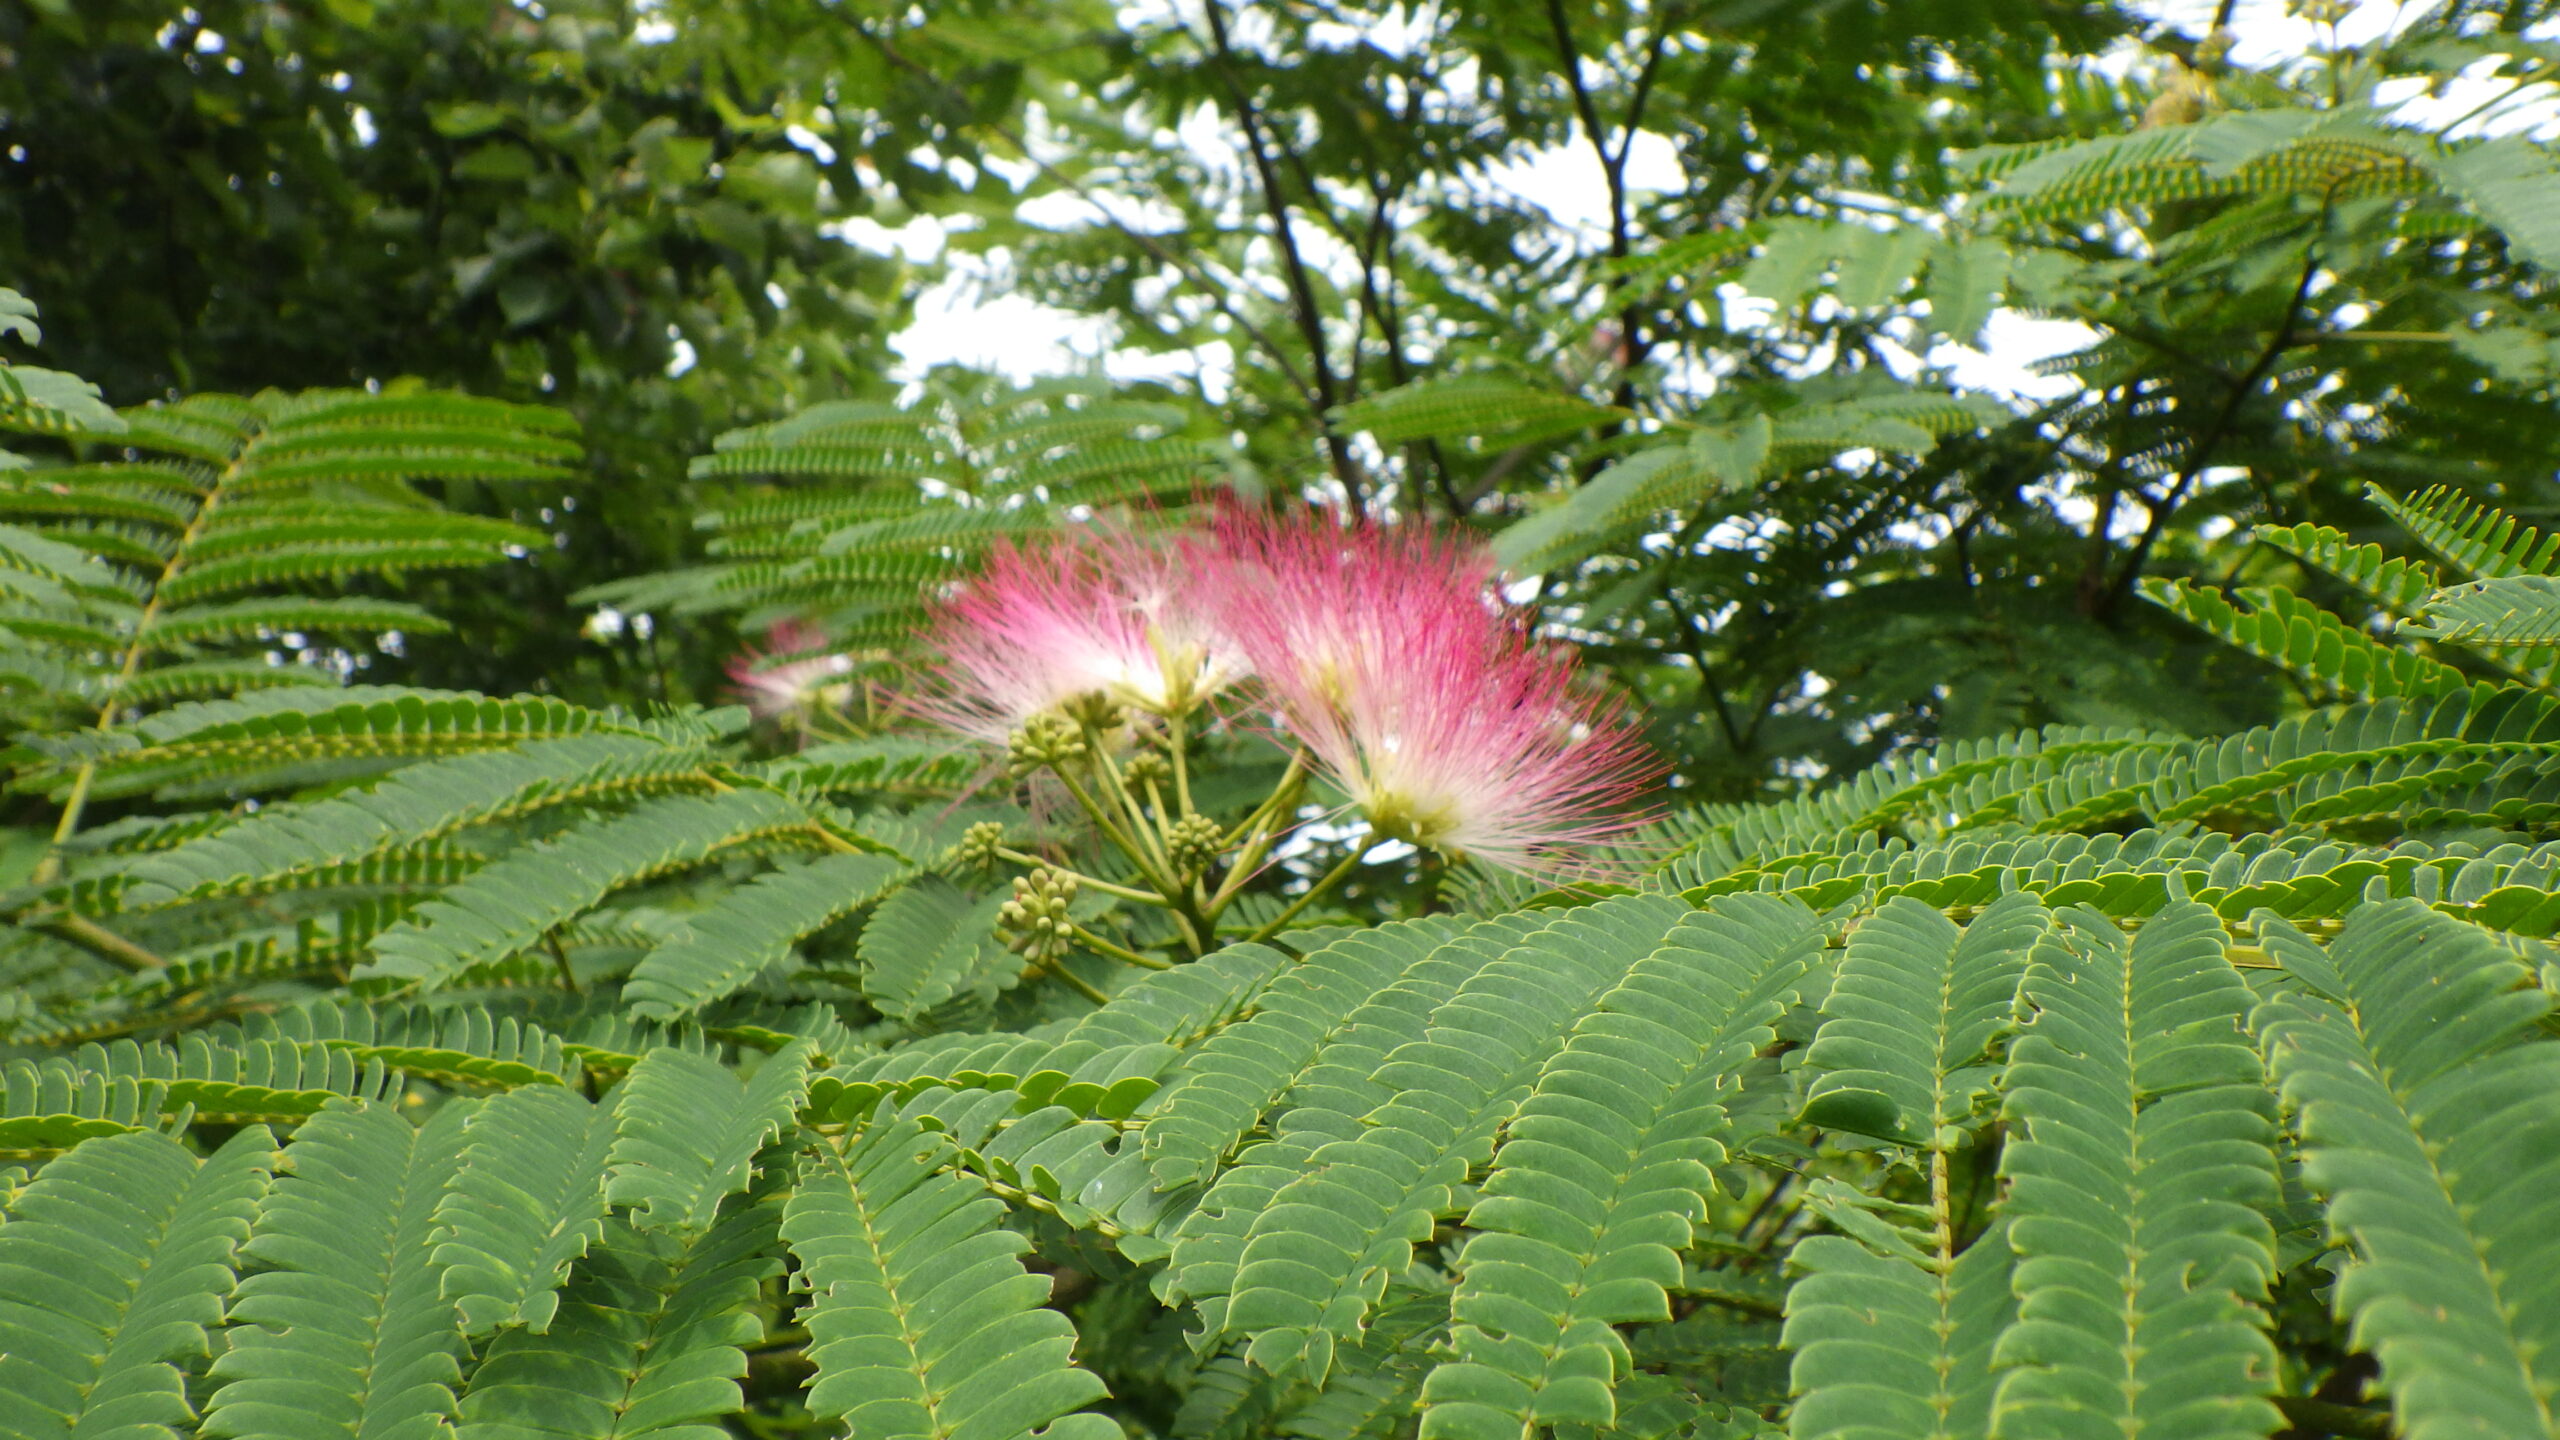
x=1306 y=599
x=772 y=689
x=1389 y=656
x=1077 y=615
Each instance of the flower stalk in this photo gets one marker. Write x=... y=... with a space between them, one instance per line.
x=1332 y=881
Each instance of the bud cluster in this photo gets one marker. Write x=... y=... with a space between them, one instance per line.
x=1042 y=742
x=979 y=844
x=1195 y=842
x=1034 y=923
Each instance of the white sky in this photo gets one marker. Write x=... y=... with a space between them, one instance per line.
x=967 y=318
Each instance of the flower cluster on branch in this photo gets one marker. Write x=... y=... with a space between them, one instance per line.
x=1383 y=657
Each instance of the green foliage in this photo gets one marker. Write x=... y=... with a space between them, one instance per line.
x=847 y=513
x=2030 y=1014
x=341 y=1328
x=647 y=1342
x=528 y=1200
x=219 y=497
x=922 y=1321
x=925 y=945
x=2308 y=641
x=2139 y=1230
x=510 y=906
x=686 y=1132
x=1608 y=1165
x=2429 y=1126
x=753 y=927
x=147 y=1236
x=2517 y=611
x=546 y=208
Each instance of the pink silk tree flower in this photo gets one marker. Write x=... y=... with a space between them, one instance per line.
x=1387 y=654
x=1078 y=615
x=772 y=689
x=1304 y=598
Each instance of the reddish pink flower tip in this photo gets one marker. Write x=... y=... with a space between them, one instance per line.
x=1388 y=654
x=1078 y=614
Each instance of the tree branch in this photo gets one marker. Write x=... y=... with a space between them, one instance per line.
x=1644 y=86
x=1693 y=642
x=1570 y=55
x=1613 y=168
x=1259 y=140
x=1378 y=306
x=2219 y=430
x=1208 y=286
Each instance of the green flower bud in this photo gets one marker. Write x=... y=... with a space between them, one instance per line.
x=1196 y=842
x=1042 y=742
x=1096 y=709
x=979 y=844
x=1034 y=923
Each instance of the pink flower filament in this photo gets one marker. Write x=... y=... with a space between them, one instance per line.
x=1387 y=654
x=1079 y=616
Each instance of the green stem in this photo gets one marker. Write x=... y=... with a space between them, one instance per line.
x=1110 y=829
x=1239 y=870
x=1075 y=982
x=1332 y=878
x=1256 y=834
x=1281 y=795
x=1157 y=861
x=1249 y=859
x=1160 y=873
x=1120 y=953
x=49 y=868
x=102 y=942
x=1247 y=862
x=1142 y=897
x=1177 y=741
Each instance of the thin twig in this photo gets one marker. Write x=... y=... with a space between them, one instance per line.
x=1259 y=139
x=2215 y=433
x=1208 y=286
x=1124 y=892
x=1613 y=166
x=1058 y=967
x=1121 y=953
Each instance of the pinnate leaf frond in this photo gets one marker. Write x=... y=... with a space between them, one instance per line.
x=344 y=1330
x=924 y=1324
x=527 y=1200
x=147 y=1238
x=728 y=942
x=2429 y=1104
x=2139 y=1184
x=512 y=904
x=1606 y=1167
x=686 y=1131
